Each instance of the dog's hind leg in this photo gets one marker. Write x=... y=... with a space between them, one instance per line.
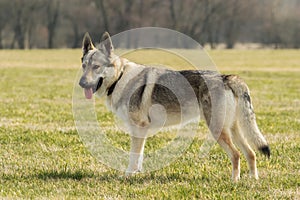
x=226 y=143
x=242 y=143
x=136 y=155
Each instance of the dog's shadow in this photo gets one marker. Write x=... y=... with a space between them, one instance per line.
x=64 y=174
x=144 y=178
x=109 y=176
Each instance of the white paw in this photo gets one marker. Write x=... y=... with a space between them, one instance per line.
x=130 y=172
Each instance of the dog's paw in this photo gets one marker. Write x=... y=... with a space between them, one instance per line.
x=130 y=173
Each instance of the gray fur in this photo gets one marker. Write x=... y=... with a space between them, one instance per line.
x=146 y=98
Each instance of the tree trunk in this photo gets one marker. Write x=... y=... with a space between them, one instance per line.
x=1 y=45
x=231 y=31
x=52 y=13
x=19 y=34
x=173 y=14
x=100 y=5
x=76 y=34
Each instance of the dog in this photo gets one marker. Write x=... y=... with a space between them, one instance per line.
x=147 y=98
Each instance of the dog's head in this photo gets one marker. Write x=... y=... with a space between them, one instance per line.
x=99 y=71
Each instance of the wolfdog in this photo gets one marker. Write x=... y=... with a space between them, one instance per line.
x=132 y=89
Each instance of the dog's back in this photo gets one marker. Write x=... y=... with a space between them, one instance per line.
x=145 y=97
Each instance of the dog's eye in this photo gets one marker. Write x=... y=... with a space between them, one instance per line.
x=96 y=67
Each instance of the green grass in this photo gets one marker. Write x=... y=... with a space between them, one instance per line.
x=41 y=154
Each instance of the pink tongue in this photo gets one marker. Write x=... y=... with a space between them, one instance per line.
x=88 y=93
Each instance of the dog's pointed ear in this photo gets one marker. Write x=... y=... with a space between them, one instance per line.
x=87 y=43
x=106 y=43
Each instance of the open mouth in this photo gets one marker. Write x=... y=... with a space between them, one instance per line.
x=88 y=92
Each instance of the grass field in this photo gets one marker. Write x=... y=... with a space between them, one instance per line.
x=41 y=155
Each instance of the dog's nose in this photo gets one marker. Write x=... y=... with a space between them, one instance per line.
x=83 y=82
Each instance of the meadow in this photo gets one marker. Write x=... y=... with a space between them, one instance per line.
x=42 y=156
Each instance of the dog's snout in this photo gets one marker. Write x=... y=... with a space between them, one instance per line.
x=83 y=82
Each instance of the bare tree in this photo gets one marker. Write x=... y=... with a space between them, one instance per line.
x=23 y=20
x=123 y=14
x=37 y=22
x=231 y=24
x=173 y=14
x=211 y=23
x=141 y=11
x=19 y=25
x=233 y=21
x=101 y=6
x=52 y=11
x=4 y=17
x=86 y=19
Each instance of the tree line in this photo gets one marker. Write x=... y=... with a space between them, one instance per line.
x=61 y=24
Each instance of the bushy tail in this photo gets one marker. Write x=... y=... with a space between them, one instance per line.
x=246 y=115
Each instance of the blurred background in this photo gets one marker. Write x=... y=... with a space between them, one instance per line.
x=26 y=24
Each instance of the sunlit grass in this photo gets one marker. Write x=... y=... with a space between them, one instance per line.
x=41 y=154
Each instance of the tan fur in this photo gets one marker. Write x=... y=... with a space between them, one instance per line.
x=222 y=100
x=226 y=143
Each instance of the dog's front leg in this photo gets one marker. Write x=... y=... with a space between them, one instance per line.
x=136 y=155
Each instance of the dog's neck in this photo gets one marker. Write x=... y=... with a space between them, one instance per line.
x=119 y=65
x=112 y=87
